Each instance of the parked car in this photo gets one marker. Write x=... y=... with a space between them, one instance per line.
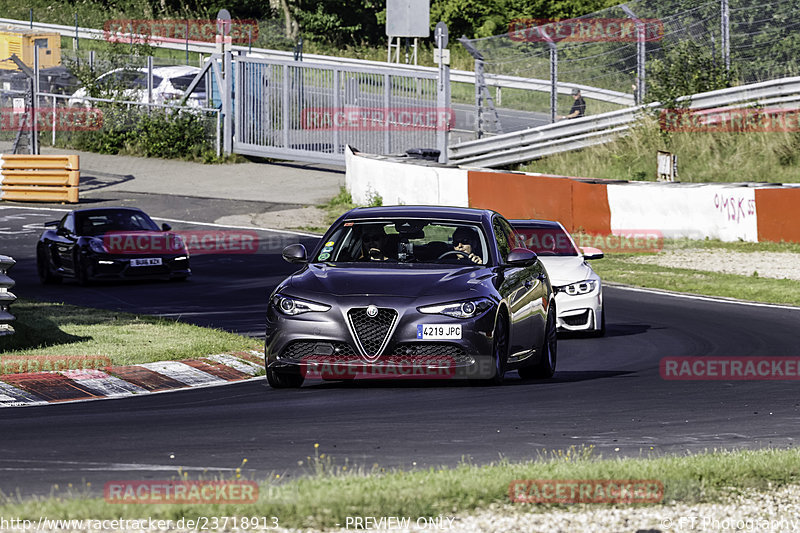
x=169 y=84
x=579 y=290
x=109 y=243
x=431 y=288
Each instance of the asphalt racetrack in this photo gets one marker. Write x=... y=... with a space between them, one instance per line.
x=606 y=392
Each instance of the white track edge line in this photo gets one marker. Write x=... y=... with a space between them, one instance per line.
x=211 y=224
x=702 y=297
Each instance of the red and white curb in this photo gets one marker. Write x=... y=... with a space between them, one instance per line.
x=41 y=388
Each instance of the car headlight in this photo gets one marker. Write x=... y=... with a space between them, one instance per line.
x=294 y=306
x=97 y=246
x=576 y=289
x=178 y=245
x=463 y=309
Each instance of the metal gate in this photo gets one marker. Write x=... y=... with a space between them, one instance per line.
x=310 y=111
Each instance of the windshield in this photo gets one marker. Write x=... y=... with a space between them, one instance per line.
x=406 y=241
x=553 y=241
x=100 y=222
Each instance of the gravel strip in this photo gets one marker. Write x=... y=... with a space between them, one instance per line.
x=778 y=265
x=745 y=511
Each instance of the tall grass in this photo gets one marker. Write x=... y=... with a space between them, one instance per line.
x=702 y=157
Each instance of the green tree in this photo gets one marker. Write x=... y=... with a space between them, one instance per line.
x=686 y=68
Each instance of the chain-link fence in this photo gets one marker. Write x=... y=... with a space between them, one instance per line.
x=110 y=103
x=756 y=41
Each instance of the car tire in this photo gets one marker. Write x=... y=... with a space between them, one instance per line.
x=46 y=276
x=546 y=366
x=81 y=270
x=284 y=379
x=499 y=353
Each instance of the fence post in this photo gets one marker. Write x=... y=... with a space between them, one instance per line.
x=53 y=143
x=6 y=297
x=76 y=42
x=337 y=107
x=726 y=33
x=35 y=103
x=641 y=39
x=478 y=97
x=442 y=100
x=149 y=81
x=387 y=102
x=285 y=115
x=227 y=102
x=553 y=81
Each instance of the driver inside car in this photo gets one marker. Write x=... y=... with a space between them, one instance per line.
x=374 y=244
x=466 y=241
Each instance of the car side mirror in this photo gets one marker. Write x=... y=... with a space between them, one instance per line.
x=295 y=253
x=592 y=253
x=62 y=231
x=521 y=257
x=165 y=227
x=51 y=224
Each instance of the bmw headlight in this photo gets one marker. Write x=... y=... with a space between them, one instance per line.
x=581 y=287
x=294 y=306
x=463 y=309
x=96 y=245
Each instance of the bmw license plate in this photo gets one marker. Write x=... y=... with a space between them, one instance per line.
x=438 y=331
x=150 y=261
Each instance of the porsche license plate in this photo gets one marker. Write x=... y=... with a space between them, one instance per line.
x=438 y=331
x=150 y=261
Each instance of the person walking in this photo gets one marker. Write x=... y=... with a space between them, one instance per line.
x=578 y=108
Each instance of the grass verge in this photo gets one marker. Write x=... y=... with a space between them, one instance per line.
x=621 y=268
x=59 y=329
x=702 y=157
x=331 y=493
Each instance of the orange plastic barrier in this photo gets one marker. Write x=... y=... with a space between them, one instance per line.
x=577 y=205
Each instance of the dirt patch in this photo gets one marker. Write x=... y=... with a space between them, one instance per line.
x=299 y=218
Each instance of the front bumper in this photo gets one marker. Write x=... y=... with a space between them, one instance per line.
x=326 y=345
x=582 y=312
x=109 y=266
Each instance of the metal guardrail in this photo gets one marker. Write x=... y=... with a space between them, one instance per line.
x=459 y=76
x=567 y=135
x=6 y=297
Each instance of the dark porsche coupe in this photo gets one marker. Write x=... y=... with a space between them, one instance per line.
x=419 y=292
x=109 y=243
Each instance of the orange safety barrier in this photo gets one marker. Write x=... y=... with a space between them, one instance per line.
x=39 y=178
x=778 y=216
x=577 y=205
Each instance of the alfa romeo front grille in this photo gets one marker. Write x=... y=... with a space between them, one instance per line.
x=372 y=333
